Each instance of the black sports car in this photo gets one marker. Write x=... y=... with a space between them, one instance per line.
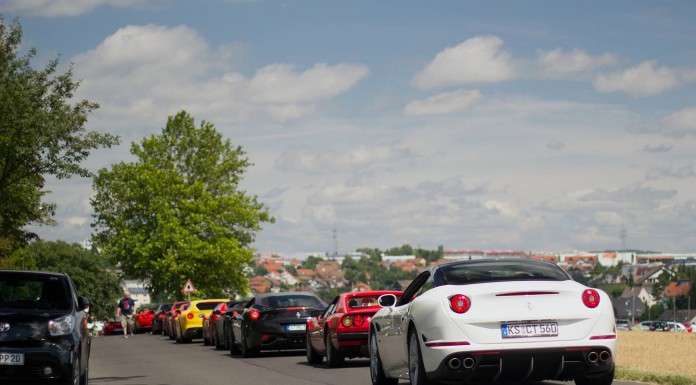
x=43 y=329
x=158 y=320
x=274 y=321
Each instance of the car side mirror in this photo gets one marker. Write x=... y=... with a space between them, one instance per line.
x=82 y=303
x=386 y=300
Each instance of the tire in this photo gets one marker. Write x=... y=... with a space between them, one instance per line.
x=233 y=347
x=216 y=341
x=75 y=377
x=179 y=339
x=84 y=378
x=377 y=374
x=603 y=379
x=416 y=369
x=248 y=352
x=312 y=356
x=334 y=357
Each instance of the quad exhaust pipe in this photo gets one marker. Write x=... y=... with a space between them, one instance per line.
x=593 y=357
x=466 y=363
x=603 y=356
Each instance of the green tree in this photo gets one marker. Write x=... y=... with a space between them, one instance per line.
x=41 y=134
x=92 y=274
x=311 y=262
x=177 y=212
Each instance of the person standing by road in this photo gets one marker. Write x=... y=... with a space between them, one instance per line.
x=125 y=310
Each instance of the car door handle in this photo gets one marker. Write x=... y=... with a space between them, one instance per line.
x=403 y=318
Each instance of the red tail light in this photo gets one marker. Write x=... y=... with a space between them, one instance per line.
x=358 y=320
x=189 y=315
x=254 y=315
x=160 y=315
x=460 y=303
x=234 y=313
x=590 y=298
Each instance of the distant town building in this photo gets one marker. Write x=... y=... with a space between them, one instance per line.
x=138 y=290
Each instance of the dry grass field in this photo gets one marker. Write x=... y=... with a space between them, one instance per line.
x=662 y=352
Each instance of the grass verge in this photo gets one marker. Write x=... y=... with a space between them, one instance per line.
x=626 y=374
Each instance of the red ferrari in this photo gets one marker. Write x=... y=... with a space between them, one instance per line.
x=341 y=330
x=143 y=320
x=209 y=324
x=113 y=326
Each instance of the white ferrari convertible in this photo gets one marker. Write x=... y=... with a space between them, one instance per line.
x=494 y=320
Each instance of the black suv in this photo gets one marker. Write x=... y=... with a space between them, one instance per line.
x=43 y=329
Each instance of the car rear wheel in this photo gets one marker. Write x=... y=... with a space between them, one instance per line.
x=312 y=356
x=376 y=370
x=233 y=347
x=216 y=341
x=416 y=370
x=604 y=379
x=334 y=358
x=84 y=378
x=248 y=352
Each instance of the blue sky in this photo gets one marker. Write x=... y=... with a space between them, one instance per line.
x=534 y=125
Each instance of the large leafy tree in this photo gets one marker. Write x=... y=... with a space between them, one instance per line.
x=92 y=274
x=177 y=212
x=41 y=134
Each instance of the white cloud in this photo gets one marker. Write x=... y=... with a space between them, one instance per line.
x=350 y=160
x=645 y=79
x=279 y=83
x=680 y=123
x=444 y=103
x=60 y=8
x=558 y=63
x=504 y=208
x=141 y=73
x=477 y=60
x=681 y=172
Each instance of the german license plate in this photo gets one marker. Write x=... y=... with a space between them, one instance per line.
x=296 y=327
x=11 y=358
x=529 y=329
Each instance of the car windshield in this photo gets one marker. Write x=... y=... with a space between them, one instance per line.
x=206 y=305
x=365 y=301
x=291 y=300
x=499 y=270
x=33 y=291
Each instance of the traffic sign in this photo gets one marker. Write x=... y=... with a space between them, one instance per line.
x=188 y=287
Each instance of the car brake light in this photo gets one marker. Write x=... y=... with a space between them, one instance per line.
x=254 y=314
x=590 y=298
x=189 y=315
x=460 y=303
x=358 y=320
x=234 y=313
x=347 y=321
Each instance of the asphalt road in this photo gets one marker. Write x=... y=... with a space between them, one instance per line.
x=155 y=360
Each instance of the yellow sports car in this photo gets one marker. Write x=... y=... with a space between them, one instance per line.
x=190 y=322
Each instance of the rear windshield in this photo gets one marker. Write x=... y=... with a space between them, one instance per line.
x=363 y=302
x=493 y=271
x=27 y=291
x=292 y=300
x=207 y=305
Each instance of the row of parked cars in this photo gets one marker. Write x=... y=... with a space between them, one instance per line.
x=663 y=326
x=275 y=321
x=466 y=321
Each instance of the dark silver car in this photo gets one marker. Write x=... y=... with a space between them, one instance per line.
x=43 y=329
